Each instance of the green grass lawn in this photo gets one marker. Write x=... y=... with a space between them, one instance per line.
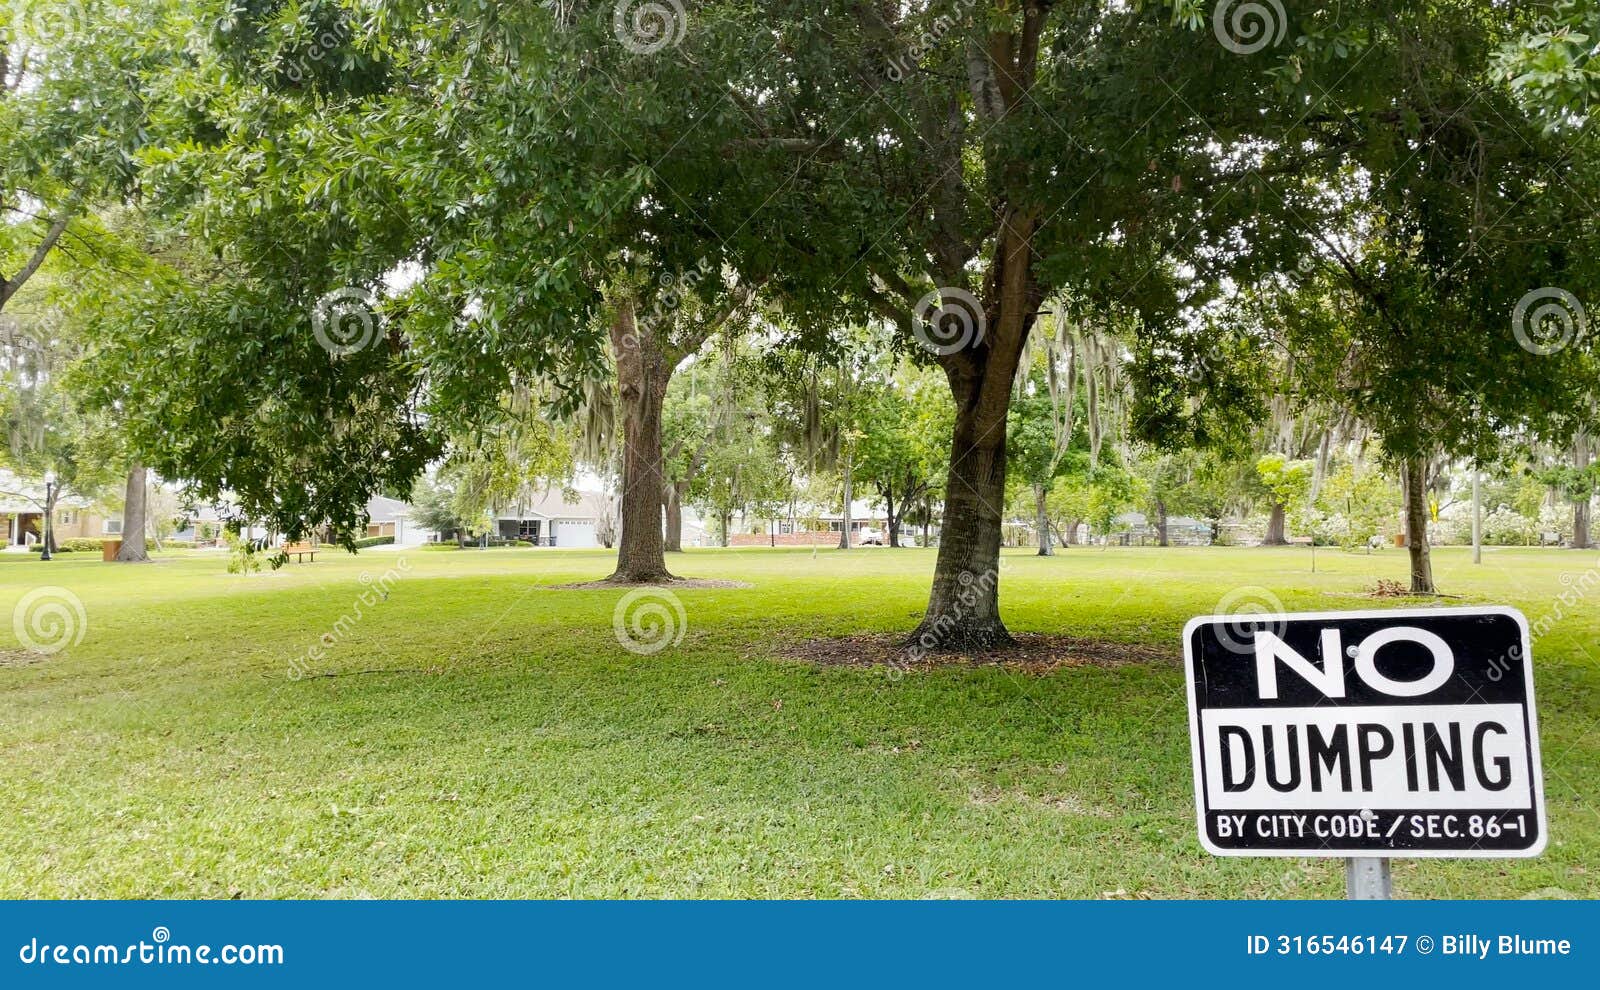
x=479 y=734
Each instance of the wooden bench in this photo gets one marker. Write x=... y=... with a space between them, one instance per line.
x=299 y=551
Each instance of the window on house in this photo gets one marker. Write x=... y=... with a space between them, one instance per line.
x=114 y=527
x=65 y=518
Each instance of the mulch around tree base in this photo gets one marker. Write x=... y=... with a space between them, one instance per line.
x=1033 y=652
x=677 y=584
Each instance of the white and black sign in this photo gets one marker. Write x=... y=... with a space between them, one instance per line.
x=1393 y=733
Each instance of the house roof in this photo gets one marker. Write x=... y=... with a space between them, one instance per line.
x=382 y=509
x=19 y=494
x=553 y=504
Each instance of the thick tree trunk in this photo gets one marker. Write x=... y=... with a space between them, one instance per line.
x=133 y=519
x=964 y=606
x=726 y=523
x=849 y=495
x=1416 y=493
x=1046 y=547
x=674 y=509
x=889 y=519
x=1071 y=539
x=1277 y=534
x=1161 y=522
x=642 y=375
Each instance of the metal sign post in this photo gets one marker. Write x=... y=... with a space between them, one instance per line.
x=1366 y=878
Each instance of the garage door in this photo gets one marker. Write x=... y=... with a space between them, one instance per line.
x=575 y=534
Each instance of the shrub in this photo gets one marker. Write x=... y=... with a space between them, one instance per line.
x=82 y=544
x=243 y=557
x=373 y=541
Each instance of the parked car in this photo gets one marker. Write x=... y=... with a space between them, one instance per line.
x=871 y=537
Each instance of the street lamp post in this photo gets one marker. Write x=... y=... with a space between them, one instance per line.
x=49 y=506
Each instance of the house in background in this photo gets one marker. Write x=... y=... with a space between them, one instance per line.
x=22 y=515
x=552 y=520
x=392 y=517
x=1135 y=529
x=813 y=526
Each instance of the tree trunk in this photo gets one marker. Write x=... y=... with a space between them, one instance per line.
x=964 y=605
x=849 y=495
x=1580 y=505
x=1046 y=547
x=133 y=521
x=890 y=522
x=927 y=522
x=642 y=375
x=1277 y=535
x=47 y=525
x=726 y=522
x=674 y=509
x=1071 y=539
x=1416 y=492
x=1161 y=522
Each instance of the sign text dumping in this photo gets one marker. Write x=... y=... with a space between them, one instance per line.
x=1392 y=733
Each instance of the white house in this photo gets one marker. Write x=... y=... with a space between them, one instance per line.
x=392 y=517
x=552 y=520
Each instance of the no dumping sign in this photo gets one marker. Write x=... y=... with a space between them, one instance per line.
x=1384 y=733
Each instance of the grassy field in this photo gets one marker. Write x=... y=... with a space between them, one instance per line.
x=478 y=733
